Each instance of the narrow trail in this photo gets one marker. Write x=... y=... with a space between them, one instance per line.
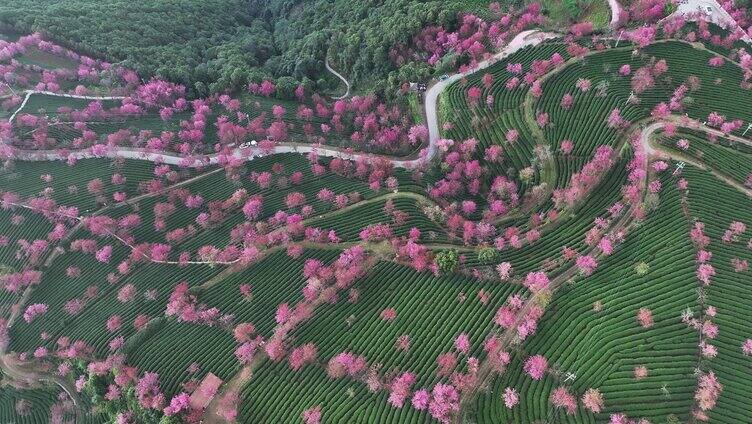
x=651 y=147
x=212 y=413
x=18 y=372
x=701 y=299
x=338 y=75
x=80 y=221
x=23 y=104
x=29 y=93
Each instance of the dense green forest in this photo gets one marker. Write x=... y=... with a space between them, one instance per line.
x=214 y=45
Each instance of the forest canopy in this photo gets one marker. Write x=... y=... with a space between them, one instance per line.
x=216 y=45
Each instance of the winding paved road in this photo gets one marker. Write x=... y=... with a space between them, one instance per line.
x=522 y=40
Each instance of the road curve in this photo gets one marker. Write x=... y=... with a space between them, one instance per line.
x=524 y=39
x=10 y=367
x=651 y=148
x=338 y=75
x=617 y=13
